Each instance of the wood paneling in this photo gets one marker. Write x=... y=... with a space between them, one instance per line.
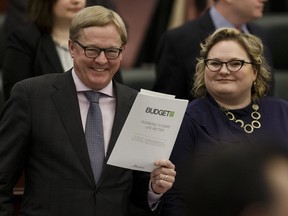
x=137 y=15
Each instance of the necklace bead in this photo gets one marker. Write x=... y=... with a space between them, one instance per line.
x=248 y=128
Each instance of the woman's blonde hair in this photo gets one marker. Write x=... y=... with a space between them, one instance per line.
x=254 y=49
x=97 y=16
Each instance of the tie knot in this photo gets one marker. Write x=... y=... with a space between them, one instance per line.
x=92 y=96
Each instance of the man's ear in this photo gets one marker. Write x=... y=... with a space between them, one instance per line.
x=71 y=47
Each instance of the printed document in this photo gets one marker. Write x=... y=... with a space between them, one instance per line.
x=149 y=132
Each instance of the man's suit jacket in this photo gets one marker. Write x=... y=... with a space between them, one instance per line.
x=41 y=132
x=29 y=53
x=177 y=53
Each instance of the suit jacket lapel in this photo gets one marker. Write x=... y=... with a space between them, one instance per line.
x=66 y=102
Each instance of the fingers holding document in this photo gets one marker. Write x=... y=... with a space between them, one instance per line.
x=163 y=176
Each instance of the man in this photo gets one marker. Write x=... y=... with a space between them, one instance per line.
x=42 y=132
x=179 y=48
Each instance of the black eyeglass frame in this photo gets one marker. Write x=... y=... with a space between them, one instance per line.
x=227 y=64
x=100 y=50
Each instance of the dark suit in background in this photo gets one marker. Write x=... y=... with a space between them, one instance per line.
x=15 y=15
x=29 y=53
x=177 y=53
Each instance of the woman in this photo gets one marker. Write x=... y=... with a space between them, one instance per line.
x=41 y=47
x=231 y=107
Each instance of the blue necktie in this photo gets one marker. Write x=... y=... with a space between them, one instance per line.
x=94 y=134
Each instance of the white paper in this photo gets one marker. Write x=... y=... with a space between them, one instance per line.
x=149 y=132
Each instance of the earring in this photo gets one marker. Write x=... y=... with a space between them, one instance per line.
x=255 y=85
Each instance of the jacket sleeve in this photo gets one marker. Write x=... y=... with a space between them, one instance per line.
x=170 y=73
x=19 y=57
x=14 y=133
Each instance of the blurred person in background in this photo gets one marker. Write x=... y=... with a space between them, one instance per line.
x=237 y=180
x=178 y=49
x=17 y=12
x=41 y=45
x=15 y=15
x=168 y=14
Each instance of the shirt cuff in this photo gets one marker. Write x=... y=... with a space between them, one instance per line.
x=153 y=198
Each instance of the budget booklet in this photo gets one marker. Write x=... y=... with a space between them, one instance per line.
x=149 y=132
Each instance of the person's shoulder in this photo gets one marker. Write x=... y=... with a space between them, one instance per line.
x=200 y=102
x=274 y=102
x=256 y=29
x=28 y=28
x=255 y=25
x=27 y=33
x=192 y=27
x=124 y=89
x=45 y=79
x=199 y=106
x=195 y=103
x=43 y=84
x=271 y=99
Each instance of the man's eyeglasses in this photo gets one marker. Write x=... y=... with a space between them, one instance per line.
x=233 y=65
x=94 y=52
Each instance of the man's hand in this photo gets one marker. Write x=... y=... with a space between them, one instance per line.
x=163 y=177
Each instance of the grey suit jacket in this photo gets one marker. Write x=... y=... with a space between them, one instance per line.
x=41 y=132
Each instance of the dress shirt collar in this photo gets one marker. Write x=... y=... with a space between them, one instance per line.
x=80 y=87
x=220 y=21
